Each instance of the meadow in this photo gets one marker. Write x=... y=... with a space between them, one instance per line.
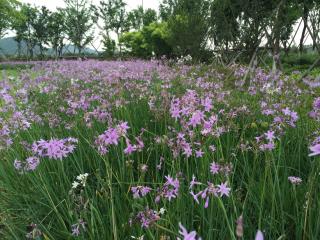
x=151 y=150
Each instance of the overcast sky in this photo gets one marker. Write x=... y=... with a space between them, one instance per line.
x=131 y=4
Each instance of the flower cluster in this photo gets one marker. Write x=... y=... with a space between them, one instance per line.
x=146 y=218
x=282 y=117
x=111 y=137
x=169 y=190
x=140 y=191
x=216 y=168
x=295 y=180
x=315 y=113
x=211 y=190
x=5 y=138
x=30 y=164
x=54 y=148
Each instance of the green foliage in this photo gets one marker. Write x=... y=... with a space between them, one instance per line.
x=79 y=22
x=8 y=11
x=24 y=26
x=225 y=27
x=151 y=40
x=188 y=27
x=136 y=44
x=109 y=46
x=41 y=26
x=149 y=17
x=114 y=17
x=135 y=17
x=56 y=31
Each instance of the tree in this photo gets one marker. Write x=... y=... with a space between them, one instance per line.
x=188 y=27
x=156 y=34
x=109 y=46
x=23 y=25
x=7 y=15
x=79 y=23
x=167 y=9
x=224 y=29
x=56 y=31
x=40 y=26
x=149 y=16
x=149 y=41
x=136 y=17
x=114 y=17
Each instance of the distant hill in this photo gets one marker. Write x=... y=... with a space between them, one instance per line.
x=9 y=47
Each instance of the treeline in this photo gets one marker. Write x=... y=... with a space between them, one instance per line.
x=198 y=28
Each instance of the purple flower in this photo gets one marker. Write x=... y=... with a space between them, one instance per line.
x=18 y=165
x=267 y=147
x=316 y=104
x=214 y=168
x=315 y=149
x=223 y=189
x=77 y=227
x=30 y=164
x=130 y=148
x=196 y=118
x=169 y=190
x=194 y=182
x=122 y=128
x=199 y=153
x=295 y=180
x=54 y=148
x=147 y=217
x=187 y=235
x=140 y=191
x=259 y=235
x=270 y=135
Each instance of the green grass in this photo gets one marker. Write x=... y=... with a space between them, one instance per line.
x=261 y=191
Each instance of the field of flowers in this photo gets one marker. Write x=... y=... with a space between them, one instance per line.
x=147 y=150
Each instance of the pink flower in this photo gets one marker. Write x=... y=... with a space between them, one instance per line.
x=54 y=148
x=214 y=168
x=187 y=235
x=259 y=235
x=295 y=180
x=130 y=148
x=315 y=150
x=196 y=118
x=223 y=189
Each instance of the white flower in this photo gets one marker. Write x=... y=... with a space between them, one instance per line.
x=82 y=177
x=75 y=184
x=81 y=180
x=138 y=238
x=162 y=211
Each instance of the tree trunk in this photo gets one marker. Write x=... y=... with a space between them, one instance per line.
x=302 y=38
x=276 y=40
x=305 y=23
x=19 y=49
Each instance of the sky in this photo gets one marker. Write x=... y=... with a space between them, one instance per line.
x=131 y=4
